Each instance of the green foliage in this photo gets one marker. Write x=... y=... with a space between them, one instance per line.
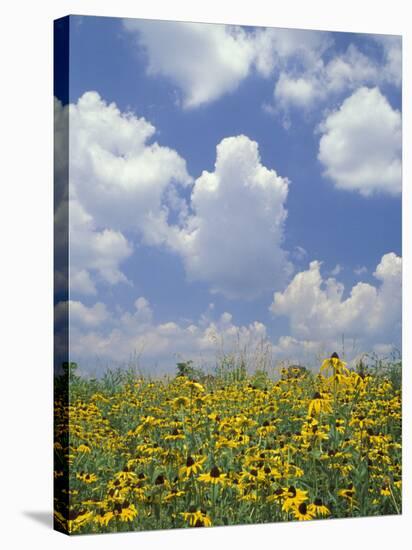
x=69 y=370
x=159 y=442
x=186 y=368
x=231 y=369
x=294 y=371
x=390 y=368
x=260 y=380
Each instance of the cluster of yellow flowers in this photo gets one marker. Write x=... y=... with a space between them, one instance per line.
x=176 y=452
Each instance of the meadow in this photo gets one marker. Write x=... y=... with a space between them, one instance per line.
x=197 y=450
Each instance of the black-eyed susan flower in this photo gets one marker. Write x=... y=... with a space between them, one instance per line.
x=215 y=476
x=181 y=402
x=340 y=425
x=319 y=509
x=253 y=475
x=335 y=364
x=83 y=448
x=193 y=466
x=160 y=480
x=361 y=421
x=266 y=428
x=175 y=435
x=78 y=518
x=277 y=496
x=125 y=511
x=248 y=495
x=313 y=432
x=197 y=518
x=385 y=490
x=86 y=478
x=126 y=475
x=302 y=512
x=147 y=424
x=192 y=385
x=348 y=493
x=293 y=497
x=320 y=403
x=103 y=517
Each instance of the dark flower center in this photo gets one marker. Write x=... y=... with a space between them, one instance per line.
x=189 y=461
x=318 y=502
x=303 y=508
x=73 y=514
x=215 y=472
x=160 y=480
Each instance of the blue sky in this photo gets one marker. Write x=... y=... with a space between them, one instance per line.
x=293 y=239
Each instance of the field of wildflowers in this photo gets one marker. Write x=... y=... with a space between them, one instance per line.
x=183 y=452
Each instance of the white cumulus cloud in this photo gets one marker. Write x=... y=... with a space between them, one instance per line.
x=118 y=176
x=312 y=82
x=392 y=53
x=233 y=240
x=361 y=142
x=229 y=233
x=206 y=61
x=203 y=60
x=297 y=91
x=112 y=338
x=94 y=255
x=276 y=48
x=317 y=309
x=119 y=181
x=80 y=314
